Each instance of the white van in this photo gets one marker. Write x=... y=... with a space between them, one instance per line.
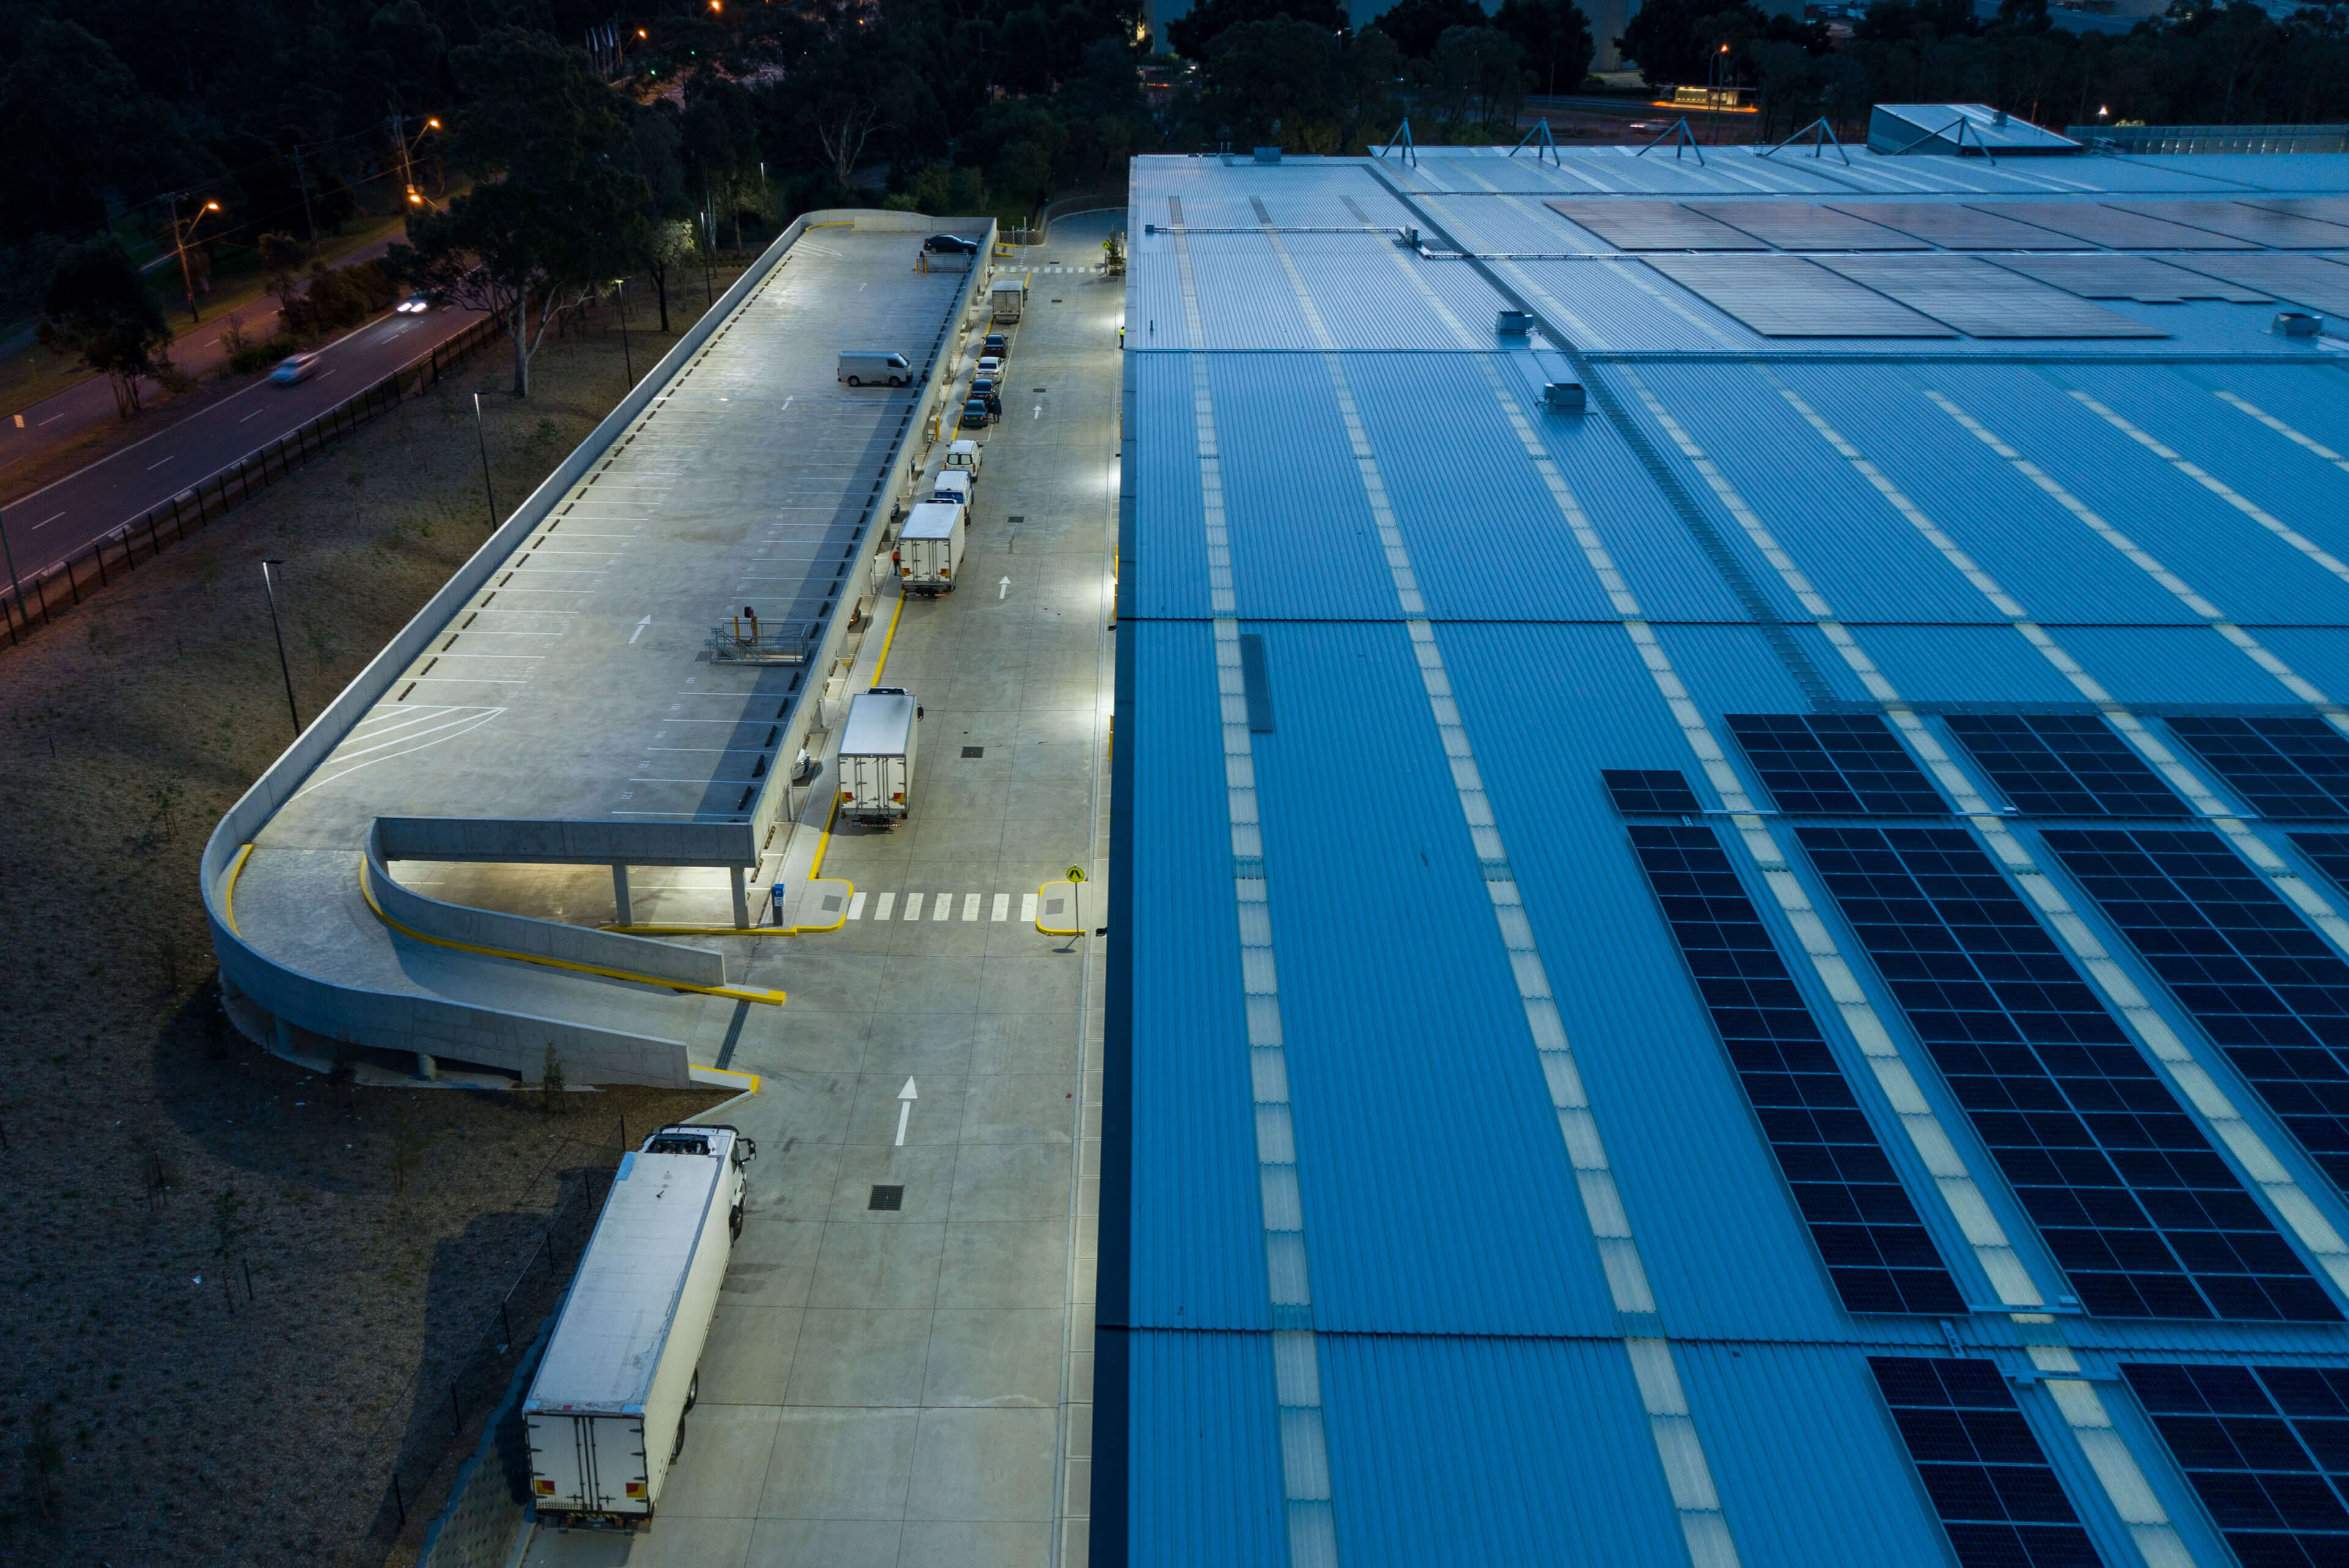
x=952 y=484
x=964 y=455
x=874 y=367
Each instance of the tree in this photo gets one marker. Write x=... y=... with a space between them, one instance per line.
x=1555 y=38
x=1269 y=80
x=97 y=306
x=1416 y=25
x=843 y=129
x=664 y=241
x=76 y=121
x=1193 y=34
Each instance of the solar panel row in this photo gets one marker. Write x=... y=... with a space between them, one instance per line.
x=2115 y=277
x=1984 y=300
x=2289 y=767
x=2266 y=989
x=2063 y=764
x=2141 y=1213
x=1990 y=1484
x=1780 y=295
x=1640 y=792
x=1833 y=765
x=1875 y=1248
x=2267 y=1450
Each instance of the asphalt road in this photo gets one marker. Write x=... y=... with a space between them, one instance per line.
x=89 y=403
x=62 y=519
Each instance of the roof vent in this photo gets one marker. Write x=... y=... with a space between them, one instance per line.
x=2297 y=324
x=1513 y=322
x=1410 y=239
x=1563 y=397
x=1268 y=155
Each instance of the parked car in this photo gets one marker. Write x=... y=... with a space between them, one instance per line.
x=951 y=245
x=998 y=345
x=984 y=390
x=990 y=365
x=294 y=367
x=975 y=416
x=416 y=304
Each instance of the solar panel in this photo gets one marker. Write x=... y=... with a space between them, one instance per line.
x=2110 y=275
x=1651 y=791
x=2312 y=281
x=2244 y=222
x=1833 y=765
x=1653 y=226
x=2264 y=987
x=2113 y=226
x=2065 y=765
x=1957 y=228
x=2324 y=209
x=2141 y=1213
x=1877 y=1250
x=2282 y=767
x=1983 y=300
x=1787 y=296
x=1990 y=1482
x=2266 y=1449
x=1804 y=226
x=2329 y=852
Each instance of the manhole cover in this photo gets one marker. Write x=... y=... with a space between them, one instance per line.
x=974 y=751
x=887 y=1198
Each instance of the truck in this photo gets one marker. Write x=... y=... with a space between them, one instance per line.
x=876 y=755
x=1007 y=298
x=605 y=1414
x=929 y=547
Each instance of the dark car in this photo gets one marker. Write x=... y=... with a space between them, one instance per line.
x=976 y=416
x=983 y=391
x=950 y=245
x=997 y=344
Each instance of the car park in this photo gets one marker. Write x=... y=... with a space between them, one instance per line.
x=294 y=367
x=950 y=245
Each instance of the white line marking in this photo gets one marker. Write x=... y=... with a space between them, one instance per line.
x=942 y=907
x=52 y=419
x=639 y=631
x=881 y=905
x=970 y=906
x=159 y=462
x=1028 y=907
x=913 y=905
x=905 y=1099
x=256 y=414
x=1002 y=906
x=856 y=907
x=1002 y=589
x=46 y=521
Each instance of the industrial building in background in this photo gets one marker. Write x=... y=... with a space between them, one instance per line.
x=1733 y=815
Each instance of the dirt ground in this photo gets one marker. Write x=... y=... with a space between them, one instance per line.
x=154 y=1407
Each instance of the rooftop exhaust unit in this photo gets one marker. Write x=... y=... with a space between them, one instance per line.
x=1563 y=397
x=1513 y=322
x=2297 y=324
x=1268 y=155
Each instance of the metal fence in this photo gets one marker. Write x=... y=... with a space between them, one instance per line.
x=60 y=587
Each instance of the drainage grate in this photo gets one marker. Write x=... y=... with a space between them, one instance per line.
x=1016 y=517
x=887 y=1198
x=974 y=751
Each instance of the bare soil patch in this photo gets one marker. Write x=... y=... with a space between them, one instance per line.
x=144 y=1421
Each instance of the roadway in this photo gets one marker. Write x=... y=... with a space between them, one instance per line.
x=65 y=517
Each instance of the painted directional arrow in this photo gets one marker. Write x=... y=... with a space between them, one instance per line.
x=640 y=628
x=905 y=1099
x=1002 y=588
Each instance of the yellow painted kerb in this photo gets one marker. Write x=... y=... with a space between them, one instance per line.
x=737 y=993
x=228 y=891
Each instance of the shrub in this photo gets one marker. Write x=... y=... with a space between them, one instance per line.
x=338 y=297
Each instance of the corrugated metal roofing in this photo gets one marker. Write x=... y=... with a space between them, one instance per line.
x=1467 y=1351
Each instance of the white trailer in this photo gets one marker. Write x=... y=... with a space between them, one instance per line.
x=876 y=755
x=1008 y=297
x=929 y=547
x=605 y=1414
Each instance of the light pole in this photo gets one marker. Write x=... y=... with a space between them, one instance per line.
x=270 y=588
x=406 y=154
x=15 y=587
x=627 y=354
x=481 y=434
x=180 y=232
x=1713 y=68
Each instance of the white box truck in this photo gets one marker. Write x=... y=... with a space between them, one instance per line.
x=605 y=1414
x=1008 y=297
x=876 y=755
x=929 y=547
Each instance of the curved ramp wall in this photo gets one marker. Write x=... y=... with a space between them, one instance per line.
x=432 y=1026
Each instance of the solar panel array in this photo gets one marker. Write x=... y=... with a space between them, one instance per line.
x=2267 y=1450
x=2312 y=281
x=1639 y=792
x=2323 y=209
x=1957 y=228
x=1780 y=295
x=1833 y=765
x=2282 y=767
x=1653 y=226
x=2328 y=852
x=1990 y=1482
x=2063 y=764
x=2113 y=226
x=2111 y=275
x=1875 y=1248
x=2264 y=986
x=1984 y=300
x=1806 y=226
x=2244 y=222
x=2141 y=1213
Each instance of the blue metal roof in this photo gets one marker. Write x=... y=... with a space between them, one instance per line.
x=1442 y=871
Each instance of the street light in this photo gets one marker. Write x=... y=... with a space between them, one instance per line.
x=270 y=588
x=180 y=232
x=1712 y=67
x=620 y=288
x=406 y=153
x=481 y=434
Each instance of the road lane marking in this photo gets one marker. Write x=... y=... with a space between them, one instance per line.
x=48 y=519
x=256 y=414
x=970 y=906
x=159 y=462
x=1002 y=907
x=942 y=908
x=882 y=905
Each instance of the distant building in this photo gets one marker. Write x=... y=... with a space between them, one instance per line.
x=1731 y=864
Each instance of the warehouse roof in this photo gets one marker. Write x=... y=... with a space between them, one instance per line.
x=1552 y=1058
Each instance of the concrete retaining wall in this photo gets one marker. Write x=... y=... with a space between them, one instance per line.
x=503 y=841
x=540 y=938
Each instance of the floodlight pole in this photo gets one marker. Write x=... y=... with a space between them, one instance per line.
x=270 y=588
x=481 y=434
